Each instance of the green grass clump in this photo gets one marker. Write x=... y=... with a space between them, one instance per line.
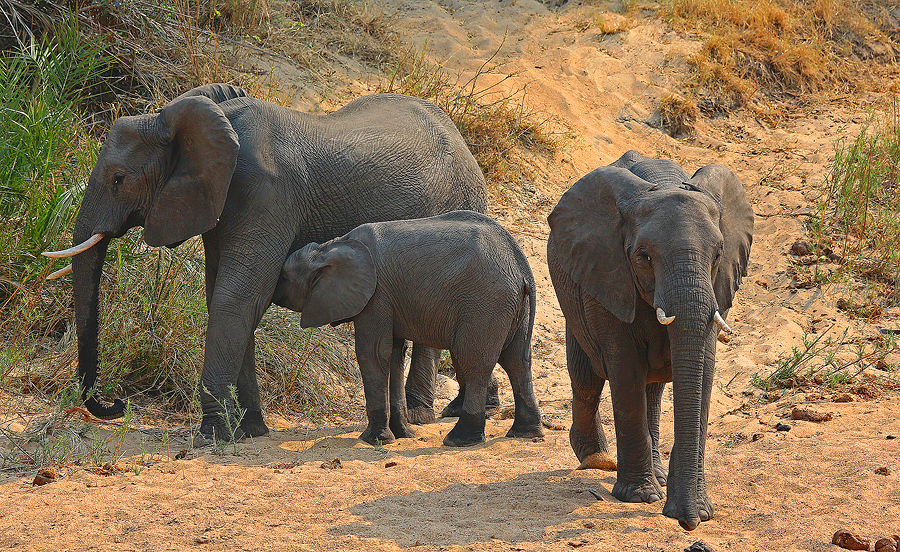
x=859 y=215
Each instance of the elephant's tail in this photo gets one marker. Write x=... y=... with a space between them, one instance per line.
x=529 y=288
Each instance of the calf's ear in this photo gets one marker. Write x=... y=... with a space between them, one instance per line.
x=342 y=284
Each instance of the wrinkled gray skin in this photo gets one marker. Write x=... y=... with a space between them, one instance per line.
x=456 y=281
x=626 y=239
x=259 y=181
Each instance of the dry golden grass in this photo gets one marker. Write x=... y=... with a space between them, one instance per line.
x=783 y=49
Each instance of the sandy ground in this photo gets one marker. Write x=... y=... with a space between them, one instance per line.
x=772 y=490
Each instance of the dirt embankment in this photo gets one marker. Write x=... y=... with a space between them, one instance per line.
x=772 y=490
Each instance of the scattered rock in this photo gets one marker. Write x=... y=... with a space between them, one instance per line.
x=548 y=421
x=846 y=539
x=842 y=397
x=810 y=415
x=699 y=546
x=507 y=413
x=181 y=454
x=883 y=470
x=889 y=437
x=202 y=539
x=390 y=464
x=332 y=465
x=756 y=437
x=596 y=494
x=588 y=524
x=537 y=439
x=887 y=544
x=44 y=476
x=782 y=427
x=577 y=544
x=866 y=390
x=801 y=248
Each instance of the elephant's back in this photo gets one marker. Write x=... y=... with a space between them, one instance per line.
x=430 y=147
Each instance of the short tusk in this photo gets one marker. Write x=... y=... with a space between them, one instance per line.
x=661 y=316
x=721 y=322
x=60 y=273
x=76 y=249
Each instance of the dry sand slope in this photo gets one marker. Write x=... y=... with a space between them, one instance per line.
x=771 y=490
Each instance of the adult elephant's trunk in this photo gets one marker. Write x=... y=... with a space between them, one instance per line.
x=86 y=269
x=692 y=340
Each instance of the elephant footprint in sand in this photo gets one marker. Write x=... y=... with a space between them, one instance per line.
x=645 y=260
x=456 y=281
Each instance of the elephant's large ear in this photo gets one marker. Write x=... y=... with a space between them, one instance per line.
x=736 y=225
x=586 y=230
x=203 y=149
x=341 y=285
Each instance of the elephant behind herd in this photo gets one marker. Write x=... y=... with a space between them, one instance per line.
x=644 y=258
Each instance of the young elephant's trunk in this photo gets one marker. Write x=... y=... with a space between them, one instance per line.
x=692 y=342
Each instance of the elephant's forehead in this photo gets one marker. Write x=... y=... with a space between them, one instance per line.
x=676 y=202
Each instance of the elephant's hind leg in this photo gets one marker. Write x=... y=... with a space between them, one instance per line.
x=399 y=420
x=475 y=371
x=491 y=402
x=516 y=361
x=420 y=384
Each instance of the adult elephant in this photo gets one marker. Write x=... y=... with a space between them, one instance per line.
x=259 y=181
x=645 y=261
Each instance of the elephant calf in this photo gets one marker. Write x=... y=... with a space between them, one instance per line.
x=456 y=281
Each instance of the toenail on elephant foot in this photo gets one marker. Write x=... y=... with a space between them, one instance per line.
x=421 y=415
x=377 y=437
x=598 y=461
x=645 y=490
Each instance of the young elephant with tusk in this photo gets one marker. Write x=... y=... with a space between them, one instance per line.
x=645 y=260
x=456 y=281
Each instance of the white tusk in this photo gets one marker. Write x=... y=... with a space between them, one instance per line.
x=661 y=316
x=60 y=273
x=75 y=249
x=721 y=322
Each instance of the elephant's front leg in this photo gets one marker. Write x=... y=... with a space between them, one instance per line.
x=635 y=478
x=654 y=404
x=586 y=435
x=399 y=420
x=240 y=283
x=374 y=350
x=252 y=423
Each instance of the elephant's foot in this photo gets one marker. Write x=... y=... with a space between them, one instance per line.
x=689 y=522
x=598 y=461
x=468 y=431
x=213 y=429
x=253 y=424
x=640 y=488
x=377 y=437
x=661 y=473
x=421 y=415
x=401 y=430
x=454 y=409
x=525 y=431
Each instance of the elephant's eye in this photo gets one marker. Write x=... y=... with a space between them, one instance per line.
x=117 y=182
x=643 y=257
